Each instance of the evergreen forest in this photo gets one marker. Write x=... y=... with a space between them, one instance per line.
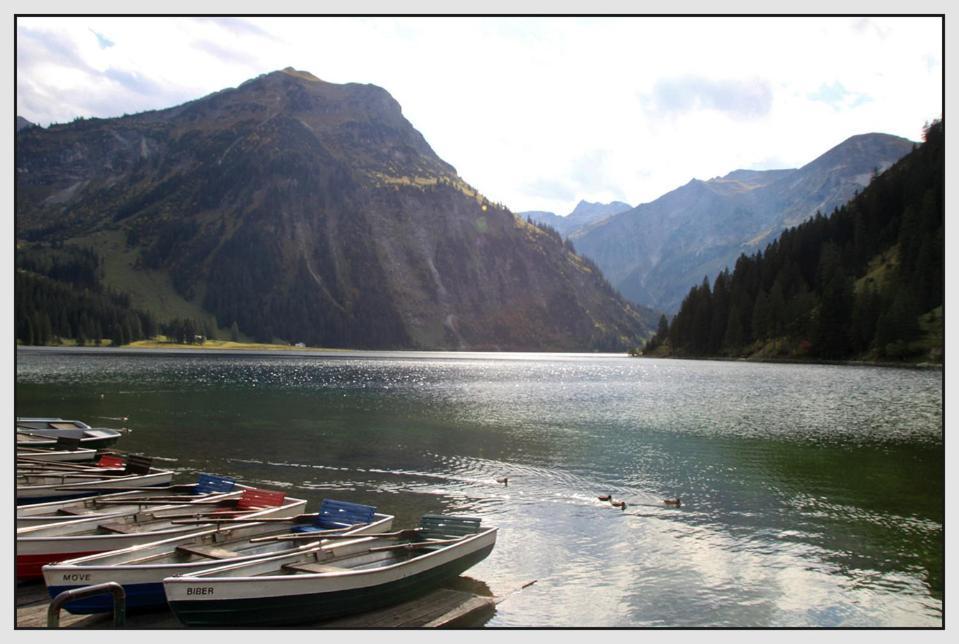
x=866 y=282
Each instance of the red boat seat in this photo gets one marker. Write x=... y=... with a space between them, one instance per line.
x=110 y=460
x=256 y=499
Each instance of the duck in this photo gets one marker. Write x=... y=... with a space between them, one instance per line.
x=677 y=502
x=618 y=504
x=605 y=497
x=504 y=480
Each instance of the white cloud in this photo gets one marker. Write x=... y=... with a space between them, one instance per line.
x=536 y=112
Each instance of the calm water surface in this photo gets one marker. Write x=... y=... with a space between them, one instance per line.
x=812 y=495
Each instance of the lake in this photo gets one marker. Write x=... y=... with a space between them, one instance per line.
x=812 y=495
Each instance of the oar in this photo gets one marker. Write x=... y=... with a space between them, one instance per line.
x=30 y=461
x=335 y=533
x=300 y=518
x=200 y=514
x=104 y=475
x=66 y=469
x=325 y=534
x=154 y=501
x=91 y=488
x=416 y=544
x=133 y=500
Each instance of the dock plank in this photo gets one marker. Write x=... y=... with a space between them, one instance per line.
x=443 y=607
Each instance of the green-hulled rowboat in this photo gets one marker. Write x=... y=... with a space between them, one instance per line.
x=330 y=581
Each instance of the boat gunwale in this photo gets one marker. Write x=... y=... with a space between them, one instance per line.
x=94 y=484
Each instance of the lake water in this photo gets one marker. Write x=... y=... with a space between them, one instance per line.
x=811 y=495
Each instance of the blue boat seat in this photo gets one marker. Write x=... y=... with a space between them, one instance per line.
x=338 y=514
x=433 y=526
x=209 y=483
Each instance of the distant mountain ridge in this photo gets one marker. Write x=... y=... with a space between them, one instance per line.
x=584 y=214
x=656 y=251
x=302 y=210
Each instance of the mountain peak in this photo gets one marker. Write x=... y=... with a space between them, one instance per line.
x=863 y=146
x=590 y=210
x=296 y=73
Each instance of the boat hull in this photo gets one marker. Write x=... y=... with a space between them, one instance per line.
x=30 y=566
x=144 y=583
x=29 y=494
x=309 y=607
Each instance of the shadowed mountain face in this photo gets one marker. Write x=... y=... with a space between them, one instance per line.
x=655 y=252
x=307 y=211
x=584 y=214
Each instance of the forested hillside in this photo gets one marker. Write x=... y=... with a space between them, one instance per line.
x=866 y=282
x=58 y=294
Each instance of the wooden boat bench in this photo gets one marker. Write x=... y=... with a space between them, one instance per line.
x=211 y=552
x=69 y=512
x=119 y=528
x=313 y=567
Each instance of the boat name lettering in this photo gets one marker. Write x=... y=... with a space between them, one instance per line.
x=75 y=576
x=204 y=590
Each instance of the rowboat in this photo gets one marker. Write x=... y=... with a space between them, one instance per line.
x=327 y=581
x=41 y=455
x=44 y=432
x=141 y=569
x=106 y=464
x=43 y=544
x=51 y=486
x=208 y=487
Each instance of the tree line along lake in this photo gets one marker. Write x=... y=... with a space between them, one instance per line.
x=812 y=495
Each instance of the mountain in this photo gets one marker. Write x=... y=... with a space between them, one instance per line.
x=867 y=282
x=584 y=214
x=550 y=219
x=656 y=251
x=312 y=212
x=23 y=123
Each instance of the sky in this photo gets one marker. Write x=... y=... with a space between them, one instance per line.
x=537 y=113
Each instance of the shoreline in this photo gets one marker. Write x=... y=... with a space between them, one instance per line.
x=839 y=363
x=246 y=348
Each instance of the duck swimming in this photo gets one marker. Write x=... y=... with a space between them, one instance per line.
x=504 y=480
x=605 y=497
x=677 y=502
x=618 y=504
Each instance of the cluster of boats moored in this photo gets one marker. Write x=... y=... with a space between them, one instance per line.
x=216 y=551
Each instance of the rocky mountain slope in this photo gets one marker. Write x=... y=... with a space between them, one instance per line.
x=655 y=252
x=309 y=211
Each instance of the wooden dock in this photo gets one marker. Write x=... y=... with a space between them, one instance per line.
x=442 y=608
